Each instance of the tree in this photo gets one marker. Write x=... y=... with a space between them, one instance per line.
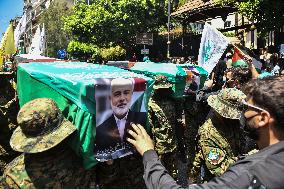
x=82 y=51
x=269 y=14
x=112 y=23
x=56 y=37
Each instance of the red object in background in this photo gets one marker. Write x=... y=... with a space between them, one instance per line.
x=238 y=55
x=140 y=84
x=133 y=59
x=130 y=64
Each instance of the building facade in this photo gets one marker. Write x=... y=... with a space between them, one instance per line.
x=33 y=10
x=195 y=13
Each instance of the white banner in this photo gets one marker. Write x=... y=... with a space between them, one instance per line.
x=38 y=42
x=42 y=40
x=20 y=29
x=35 y=43
x=212 y=46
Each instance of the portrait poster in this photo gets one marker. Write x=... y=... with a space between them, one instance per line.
x=192 y=79
x=119 y=102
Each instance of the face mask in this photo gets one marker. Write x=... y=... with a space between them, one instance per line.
x=249 y=131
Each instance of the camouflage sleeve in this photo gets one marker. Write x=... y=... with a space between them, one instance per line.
x=7 y=182
x=217 y=160
x=162 y=131
x=196 y=167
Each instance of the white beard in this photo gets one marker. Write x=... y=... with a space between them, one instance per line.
x=120 y=111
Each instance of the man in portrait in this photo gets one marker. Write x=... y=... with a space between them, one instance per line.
x=112 y=132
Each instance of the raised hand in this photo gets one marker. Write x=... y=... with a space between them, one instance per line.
x=142 y=141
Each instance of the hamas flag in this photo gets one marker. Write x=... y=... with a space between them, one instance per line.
x=212 y=46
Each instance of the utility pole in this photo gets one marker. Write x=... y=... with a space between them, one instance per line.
x=169 y=28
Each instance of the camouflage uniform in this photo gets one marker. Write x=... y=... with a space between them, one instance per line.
x=162 y=119
x=46 y=162
x=162 y=116
x=5 y=149
x=195 y=114
x=59 y=170
x=218 y=142
x=8 y=112
x=123 y=173
x=217 y=148
x=7 y=92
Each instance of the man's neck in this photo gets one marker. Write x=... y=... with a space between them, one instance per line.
x=275 y=136
x=122 y=116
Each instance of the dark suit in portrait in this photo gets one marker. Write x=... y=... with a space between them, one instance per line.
x=107 y=134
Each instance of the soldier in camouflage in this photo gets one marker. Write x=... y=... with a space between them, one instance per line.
x=8 y=111
x=47 y=161
x=195 y=113
x=163 y=116
x=122 y=173
x=218 y=139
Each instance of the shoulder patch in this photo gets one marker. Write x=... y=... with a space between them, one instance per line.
x=215 y=156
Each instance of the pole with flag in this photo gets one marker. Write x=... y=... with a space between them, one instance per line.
x=212 y=46
x=35 y=46
x=7 y=45
x=42 y=40
x=20 y=29
x=240 y=56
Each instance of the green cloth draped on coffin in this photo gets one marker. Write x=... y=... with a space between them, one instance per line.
x=71 y=85
x=174 y=72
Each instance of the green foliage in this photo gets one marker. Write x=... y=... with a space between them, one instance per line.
x=82 y=51
x=115 y=22
x=112 y=53
x=112 y=23
x=182 y=2
x=269 y=14
x=229 y=34
x=56 y=37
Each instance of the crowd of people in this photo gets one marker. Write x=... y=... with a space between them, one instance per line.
x=229 y=133
x=260 y=111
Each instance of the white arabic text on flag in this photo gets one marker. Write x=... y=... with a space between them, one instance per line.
x=212 y=46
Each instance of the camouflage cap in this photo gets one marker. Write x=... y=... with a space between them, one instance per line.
x=227 y=102
x=161 y=82
x=41 y=127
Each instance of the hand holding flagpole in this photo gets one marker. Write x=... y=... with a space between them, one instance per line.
x=249 y=61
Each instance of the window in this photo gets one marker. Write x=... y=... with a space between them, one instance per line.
x=227 y=24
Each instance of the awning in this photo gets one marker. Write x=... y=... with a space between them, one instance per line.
x=198 y=10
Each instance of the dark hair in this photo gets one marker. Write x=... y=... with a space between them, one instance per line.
x=219 y=70
x=268 y=93
x=243 y=75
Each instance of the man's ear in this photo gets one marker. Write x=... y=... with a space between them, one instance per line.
x=264 y=119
